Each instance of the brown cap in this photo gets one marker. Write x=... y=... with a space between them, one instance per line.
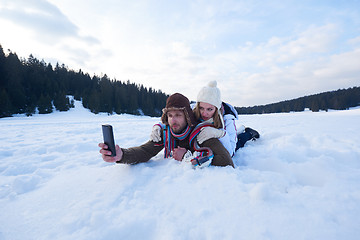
x=178 y=101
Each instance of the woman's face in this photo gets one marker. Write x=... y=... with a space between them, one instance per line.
x=206 y=110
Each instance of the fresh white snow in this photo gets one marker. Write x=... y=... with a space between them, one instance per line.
x=300 y=180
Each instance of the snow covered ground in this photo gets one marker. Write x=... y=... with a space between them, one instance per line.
x=301 y=180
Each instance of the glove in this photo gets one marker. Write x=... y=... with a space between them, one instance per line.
x=188 y=156
x=155 y=135
x=209 y=132
x=201 y=162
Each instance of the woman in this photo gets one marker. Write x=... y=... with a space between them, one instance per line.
x=210 y=109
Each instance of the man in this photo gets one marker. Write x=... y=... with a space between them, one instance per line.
x=178 y=123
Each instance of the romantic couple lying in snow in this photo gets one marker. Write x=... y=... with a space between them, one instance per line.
x=202 y=136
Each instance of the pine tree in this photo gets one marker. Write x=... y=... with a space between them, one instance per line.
x=45 y=105
x=2 y=68
x=61 y=102
x=14 y=82
x=6 y=108
x=315 y=106
x=106 y=95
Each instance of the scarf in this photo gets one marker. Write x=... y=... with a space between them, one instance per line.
x=169 y=142
x=169 y=139
x=205 y=153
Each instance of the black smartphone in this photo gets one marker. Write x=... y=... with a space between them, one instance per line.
x=109 y=138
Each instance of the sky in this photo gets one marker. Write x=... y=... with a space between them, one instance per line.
x=259 y=52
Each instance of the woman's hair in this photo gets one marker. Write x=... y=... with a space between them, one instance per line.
x=216 y=117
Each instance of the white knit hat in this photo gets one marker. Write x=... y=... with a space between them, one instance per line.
x=210 y=94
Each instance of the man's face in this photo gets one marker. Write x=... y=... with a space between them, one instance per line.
x=176 y=120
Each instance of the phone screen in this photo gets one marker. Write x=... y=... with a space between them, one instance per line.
x=109 y=138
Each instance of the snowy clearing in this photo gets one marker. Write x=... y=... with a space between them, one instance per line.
x=300 y=180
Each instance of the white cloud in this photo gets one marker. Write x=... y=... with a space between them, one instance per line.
x=344 y=67
x=38 y=27
x=286 y=68
x=44 y=19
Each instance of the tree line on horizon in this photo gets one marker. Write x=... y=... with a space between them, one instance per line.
x=28 y=86
x=341 y=99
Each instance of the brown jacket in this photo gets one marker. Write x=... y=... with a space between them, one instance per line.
x=148 y=150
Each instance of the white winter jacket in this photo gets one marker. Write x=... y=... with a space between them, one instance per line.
x=229 y=140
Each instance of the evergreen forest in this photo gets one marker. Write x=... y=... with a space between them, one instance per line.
x=28 y=86
x=341 y=99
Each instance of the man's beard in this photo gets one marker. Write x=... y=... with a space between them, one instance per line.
x=178 y=130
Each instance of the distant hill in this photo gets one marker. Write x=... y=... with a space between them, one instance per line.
x=338 y=100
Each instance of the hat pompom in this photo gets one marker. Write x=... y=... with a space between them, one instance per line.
x=212 y=84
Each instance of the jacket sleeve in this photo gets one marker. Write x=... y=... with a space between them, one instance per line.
x=140 y=154
x=230 y=138
x=221 y=155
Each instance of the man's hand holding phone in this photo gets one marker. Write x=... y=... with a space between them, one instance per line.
x=106 y=154
x=110 y=152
